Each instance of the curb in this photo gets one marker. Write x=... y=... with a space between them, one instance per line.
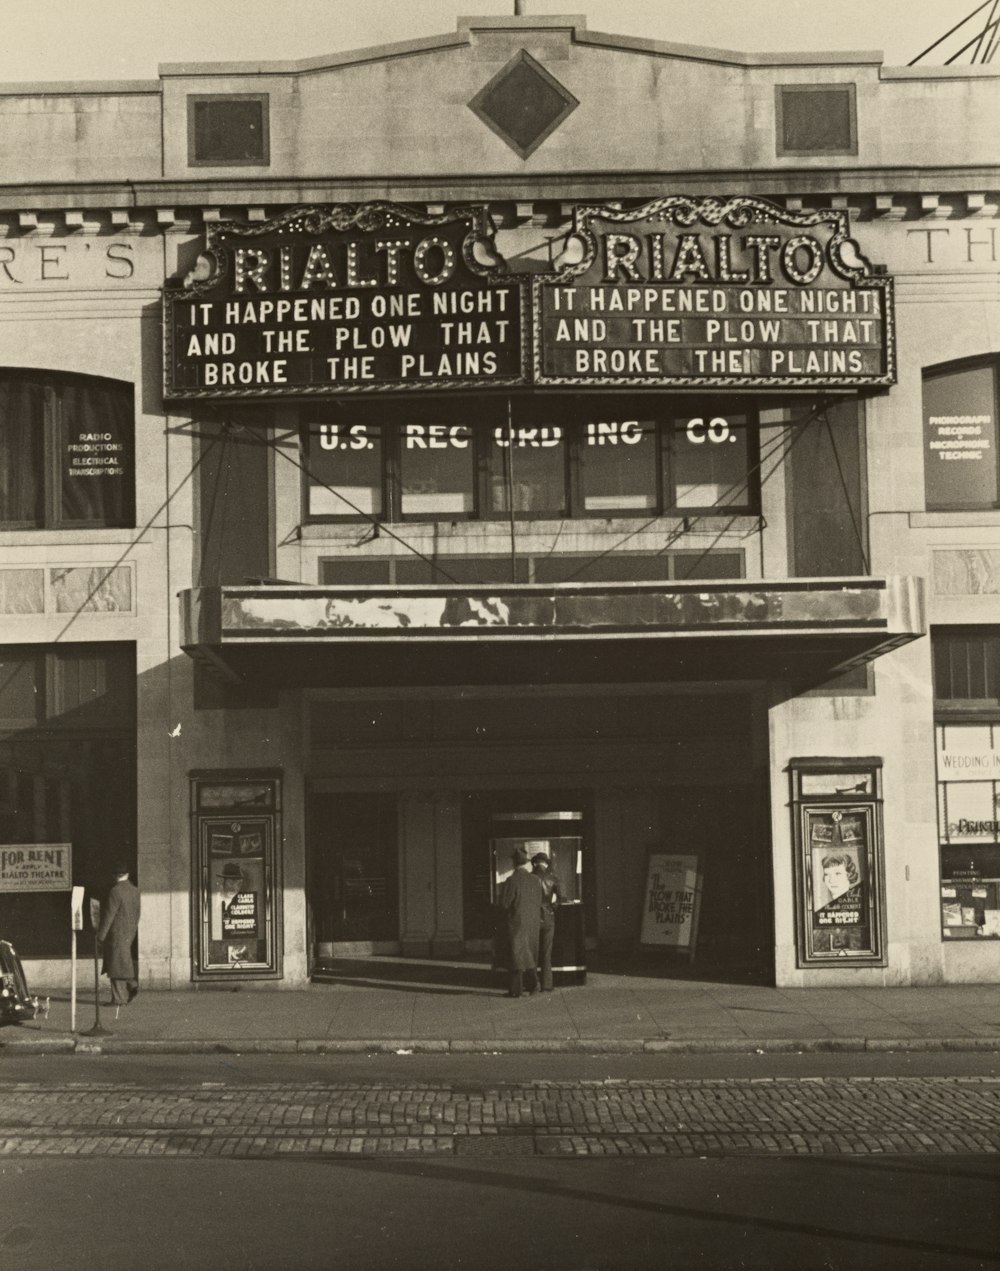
x=491 y=1046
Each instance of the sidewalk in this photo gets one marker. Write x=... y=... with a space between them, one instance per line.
x=433 y=1007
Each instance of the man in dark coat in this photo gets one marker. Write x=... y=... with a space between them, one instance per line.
x=520 y=904
x=117 y=932
x=542 y=868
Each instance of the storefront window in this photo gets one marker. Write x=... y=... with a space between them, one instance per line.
x=968 y=762
x=960 y=438
x=67 y=773
x=530 y=460
x=612 y=455
x=437 y=469
x=345 y=468
x=66 y=451
x=619 y=465
x=708 y=461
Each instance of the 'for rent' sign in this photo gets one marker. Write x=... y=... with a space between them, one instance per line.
x=36 y=866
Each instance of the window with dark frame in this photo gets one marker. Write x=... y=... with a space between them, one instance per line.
x=228 y=130
x=816 y=119
x=575 y=458
x=966 y=669
x=961 y=462
x=390 y=571
x=67 y=445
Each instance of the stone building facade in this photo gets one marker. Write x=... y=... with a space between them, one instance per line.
x=308 y=611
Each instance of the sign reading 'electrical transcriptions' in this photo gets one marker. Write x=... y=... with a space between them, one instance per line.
x=730 y=293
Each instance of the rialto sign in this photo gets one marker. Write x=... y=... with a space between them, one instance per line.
x=724 y=293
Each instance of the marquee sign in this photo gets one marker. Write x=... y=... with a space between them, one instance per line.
x=724 y=293
x=345 y=299
x=720 y=293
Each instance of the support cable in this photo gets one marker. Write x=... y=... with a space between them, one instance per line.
x=124 y=555
x=672 y=537
x=379 y=525
x=942 y=39
x=847 y=495
x=509 y=467
x=796 y=436
x=735 y=487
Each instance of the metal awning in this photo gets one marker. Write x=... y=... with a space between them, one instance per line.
x=798 y=630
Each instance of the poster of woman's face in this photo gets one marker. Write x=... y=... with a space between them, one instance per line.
x=835 y=872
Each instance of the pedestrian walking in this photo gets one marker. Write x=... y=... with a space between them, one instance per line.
x=541 y=867
x=117 y=934
x=520 y=917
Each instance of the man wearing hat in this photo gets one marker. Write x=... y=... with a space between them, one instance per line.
x=117 y=933
x=520 y=911
x=230 y=882
x=541 y=867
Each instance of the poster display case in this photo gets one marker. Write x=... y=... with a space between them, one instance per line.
x=237 y=892
x=839 y=861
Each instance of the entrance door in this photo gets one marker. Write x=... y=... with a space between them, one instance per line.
x=352 y=870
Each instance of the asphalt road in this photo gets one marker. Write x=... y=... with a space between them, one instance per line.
x=523 y=1161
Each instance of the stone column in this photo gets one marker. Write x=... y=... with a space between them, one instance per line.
x=447 y=941
x=416 y=873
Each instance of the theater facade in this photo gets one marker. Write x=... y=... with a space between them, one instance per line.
x=527 y=434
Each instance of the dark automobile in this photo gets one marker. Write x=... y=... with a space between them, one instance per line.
x=16 y=1003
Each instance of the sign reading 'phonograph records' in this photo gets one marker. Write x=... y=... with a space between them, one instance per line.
x=346 y=299
x=720 y=292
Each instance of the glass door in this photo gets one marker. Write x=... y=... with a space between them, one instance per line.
x=353 y=868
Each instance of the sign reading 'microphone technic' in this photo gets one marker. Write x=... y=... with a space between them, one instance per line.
x=345 y=299
x=732 y=293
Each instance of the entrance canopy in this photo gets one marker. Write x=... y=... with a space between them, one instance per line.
x=799 y=630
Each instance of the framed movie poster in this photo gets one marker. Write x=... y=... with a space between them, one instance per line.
x=237 y=892
x=840 y=901
x=671 y=902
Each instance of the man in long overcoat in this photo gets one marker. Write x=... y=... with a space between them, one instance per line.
x=520 y=904
x=117 y=932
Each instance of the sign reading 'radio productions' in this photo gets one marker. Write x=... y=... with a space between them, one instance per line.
x=345 y=299
x=720 y=292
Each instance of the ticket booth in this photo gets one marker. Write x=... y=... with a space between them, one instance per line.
x=559 y=835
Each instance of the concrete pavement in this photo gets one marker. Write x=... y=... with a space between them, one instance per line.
x=387 y=1005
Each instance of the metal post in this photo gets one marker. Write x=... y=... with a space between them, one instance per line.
x=97 y=1030
x=510 y=493
x=72 y=985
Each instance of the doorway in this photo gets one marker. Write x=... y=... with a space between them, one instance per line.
x=352 y=871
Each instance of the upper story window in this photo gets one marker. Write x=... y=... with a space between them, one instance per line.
x=960 y=436
x=66 y=451
x=966 y=670
x=816 y=119
x=570 y=457
x=228 y=130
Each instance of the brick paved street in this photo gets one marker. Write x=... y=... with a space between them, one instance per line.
x=810 y=1115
